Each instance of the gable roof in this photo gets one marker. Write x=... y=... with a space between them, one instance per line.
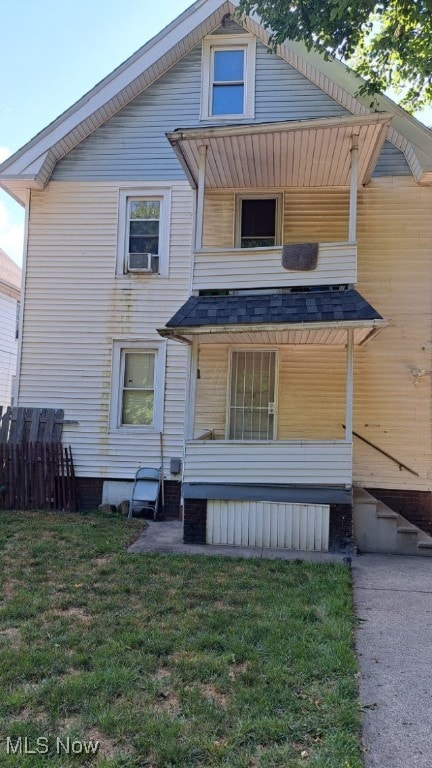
x=32 y=165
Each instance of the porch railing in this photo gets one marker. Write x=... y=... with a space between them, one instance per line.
x=239 y=268
x=282 y=462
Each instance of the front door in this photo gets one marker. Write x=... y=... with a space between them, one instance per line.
x=252 y=395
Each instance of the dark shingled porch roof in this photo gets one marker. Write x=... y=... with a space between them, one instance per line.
x=271 y=308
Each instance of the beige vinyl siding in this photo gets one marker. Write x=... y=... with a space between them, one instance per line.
x=76 y=307
x=395 y=275
x=8 y=347
x=311 y=387
x=211 y=390
x=312 y=384
x=309 y=215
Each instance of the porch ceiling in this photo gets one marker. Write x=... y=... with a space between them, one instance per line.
x=318 y=317
x=308 y=153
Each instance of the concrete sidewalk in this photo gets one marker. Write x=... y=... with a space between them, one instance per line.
x=393 y=599
x=167 y=536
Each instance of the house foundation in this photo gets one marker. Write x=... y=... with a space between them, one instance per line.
x=340 y=526
x=90 y=494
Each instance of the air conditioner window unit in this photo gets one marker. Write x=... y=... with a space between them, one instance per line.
x=143 y=262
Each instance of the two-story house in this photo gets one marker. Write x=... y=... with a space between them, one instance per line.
x=228 y=263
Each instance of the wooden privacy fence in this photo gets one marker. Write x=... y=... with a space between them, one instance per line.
x=31 y=425
x=36 y=470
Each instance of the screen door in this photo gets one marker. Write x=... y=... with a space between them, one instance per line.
x=252 y=395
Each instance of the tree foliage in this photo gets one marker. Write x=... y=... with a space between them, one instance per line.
x=389 y=43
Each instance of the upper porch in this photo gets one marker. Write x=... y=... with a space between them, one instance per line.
x=261 y=188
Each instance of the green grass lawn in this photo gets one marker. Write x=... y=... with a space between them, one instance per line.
x=170 y=660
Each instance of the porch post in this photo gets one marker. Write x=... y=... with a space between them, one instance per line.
x=352 y=229
x=191 y=397
x=200 y=197
x=349 y=386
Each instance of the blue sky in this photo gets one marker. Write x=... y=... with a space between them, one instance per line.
x=49 y=58
x=51 y=54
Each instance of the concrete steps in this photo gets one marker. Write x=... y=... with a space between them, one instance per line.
x=379 y=529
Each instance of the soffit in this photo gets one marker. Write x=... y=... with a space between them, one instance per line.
x=325 y=335
x=306 y=153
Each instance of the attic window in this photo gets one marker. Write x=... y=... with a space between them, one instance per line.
x=228 y=77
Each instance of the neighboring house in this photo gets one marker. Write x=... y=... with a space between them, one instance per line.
x=10 y=287
x=163 y=297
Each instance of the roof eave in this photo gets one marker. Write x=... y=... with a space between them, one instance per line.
x=200 y=330
x=111 y=86
x=121 y=86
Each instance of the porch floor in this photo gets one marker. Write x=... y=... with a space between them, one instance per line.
x=166 y=536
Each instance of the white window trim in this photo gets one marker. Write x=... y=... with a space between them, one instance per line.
x=252 y=348
x=226 y=42
x=278 y=196
x=120 y=348
x=150 y=193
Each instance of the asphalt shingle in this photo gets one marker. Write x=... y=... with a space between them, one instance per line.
x=296 y=307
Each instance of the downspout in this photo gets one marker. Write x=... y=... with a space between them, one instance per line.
x=349 y=396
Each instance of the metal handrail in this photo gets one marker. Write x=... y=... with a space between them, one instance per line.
x=400 y=464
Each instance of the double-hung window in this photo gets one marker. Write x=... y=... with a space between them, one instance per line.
x=137 y=406
x=143 y=227
x=228 y=83
x=137 y=385
x=143 y=231
x=258 y=220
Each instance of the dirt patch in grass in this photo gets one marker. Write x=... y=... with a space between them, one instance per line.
x=9 y=589
x=236 y=670
x=28 y=715
x=72 y=613
x=101 y=561
x=214 y=694
x=167 y=701
x=162 y=673
x=107 y=747
x=12 y=635
x=68 y=724
x=220 y=605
